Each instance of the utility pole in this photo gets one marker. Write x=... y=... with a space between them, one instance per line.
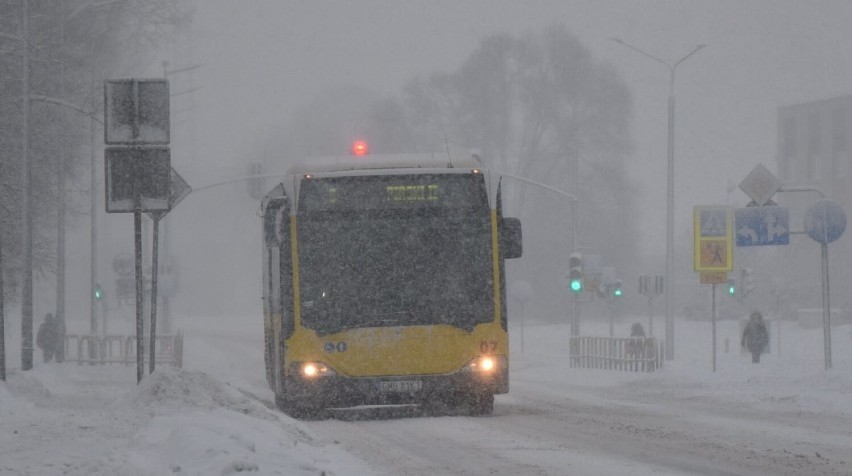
x=93 y=240
x=671 y=65
x=575 y=301
x=60 y=212
x=26 y=215
x=2 y=323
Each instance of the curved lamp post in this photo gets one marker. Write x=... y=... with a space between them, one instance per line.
x=671 y=65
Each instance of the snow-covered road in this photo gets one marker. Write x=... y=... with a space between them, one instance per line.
x=629 y=428
x=784 y=416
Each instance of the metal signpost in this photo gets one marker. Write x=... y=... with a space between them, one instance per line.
x=825 y=221
x=762 y=223
x=178 y=190
x=137 y=166
x=714 y=250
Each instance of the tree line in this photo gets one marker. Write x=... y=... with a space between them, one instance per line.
x=537 y=105
x=57 y=53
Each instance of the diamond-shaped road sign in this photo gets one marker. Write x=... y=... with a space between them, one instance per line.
x=760 y=185
x=178 y=190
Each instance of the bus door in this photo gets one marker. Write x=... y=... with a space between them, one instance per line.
x=278 y=283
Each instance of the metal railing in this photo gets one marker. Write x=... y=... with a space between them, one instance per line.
x=119 y=349
x=632 y=354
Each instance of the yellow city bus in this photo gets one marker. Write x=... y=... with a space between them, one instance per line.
x=383 y=283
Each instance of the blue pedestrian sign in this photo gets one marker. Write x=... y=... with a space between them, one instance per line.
x=757 y=226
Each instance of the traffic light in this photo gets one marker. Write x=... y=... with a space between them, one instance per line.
x=575 y=272
x=99 y=293
x=732 y=286
x=616 y=289
x=747 y=280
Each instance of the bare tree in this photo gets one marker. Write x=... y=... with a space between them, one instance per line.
x=74 y=45
x=533 y=105
x=71 y=46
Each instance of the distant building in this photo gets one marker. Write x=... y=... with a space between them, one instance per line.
x=815 y=150
x=814 y=143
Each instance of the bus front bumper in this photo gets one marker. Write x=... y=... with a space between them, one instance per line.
x=337 y=390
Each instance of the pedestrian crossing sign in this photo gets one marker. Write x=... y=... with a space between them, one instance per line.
x=714 y=238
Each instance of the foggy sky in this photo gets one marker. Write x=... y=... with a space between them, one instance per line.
x=261 y=58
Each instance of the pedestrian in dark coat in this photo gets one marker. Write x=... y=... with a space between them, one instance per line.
x=635 y=347
x=46 y=337
x=755 y=336
x=637 y=330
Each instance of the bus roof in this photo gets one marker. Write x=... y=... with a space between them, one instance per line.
x=388 y=161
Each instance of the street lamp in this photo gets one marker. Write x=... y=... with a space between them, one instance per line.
x=671 y=65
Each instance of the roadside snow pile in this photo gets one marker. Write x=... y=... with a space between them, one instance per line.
x=10 y=405
x=200 y=425
x=20 y=392
x=221 y=441
x=95 y=420
x=170 y=389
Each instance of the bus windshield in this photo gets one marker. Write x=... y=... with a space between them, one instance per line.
x=414 y=250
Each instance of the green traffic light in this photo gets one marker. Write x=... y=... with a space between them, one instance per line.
x=617 y=293
x=732 y=290
x=576 y=285
x=99 y=294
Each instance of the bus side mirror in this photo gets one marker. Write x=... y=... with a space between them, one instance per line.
x=511 y=238
x=272 y=219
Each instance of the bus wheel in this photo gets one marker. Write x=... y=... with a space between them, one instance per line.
x=299 y=410
x=282 y=403
x=481 y=404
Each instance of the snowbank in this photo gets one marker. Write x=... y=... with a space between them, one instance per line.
x=53 y=419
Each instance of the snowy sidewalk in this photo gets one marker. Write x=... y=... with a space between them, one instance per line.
x=94 y=420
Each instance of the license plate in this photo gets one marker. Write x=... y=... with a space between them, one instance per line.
x=401 y=386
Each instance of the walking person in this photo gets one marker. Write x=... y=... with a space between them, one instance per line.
x=46 y=337
x=636 y=330
x=635 y=347
x=755 y=336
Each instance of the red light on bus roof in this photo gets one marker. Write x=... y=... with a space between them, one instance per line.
x=360 y=147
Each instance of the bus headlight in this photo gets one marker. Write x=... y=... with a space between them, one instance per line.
x=486 y=364
x=313 y=370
